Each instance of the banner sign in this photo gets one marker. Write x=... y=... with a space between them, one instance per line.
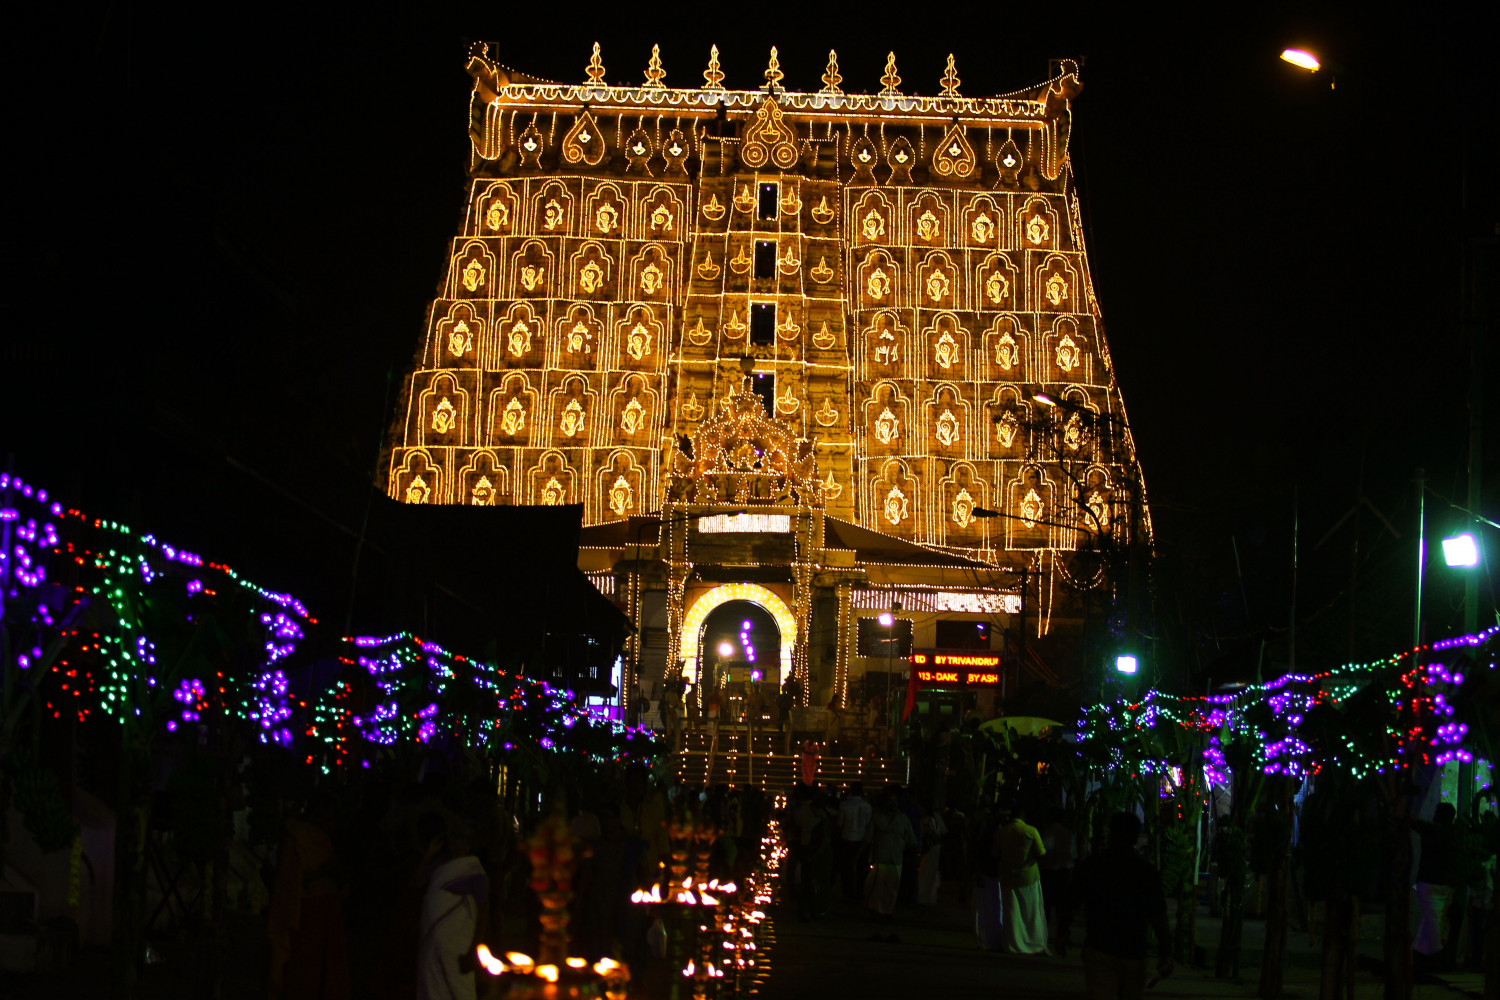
x=955 y=668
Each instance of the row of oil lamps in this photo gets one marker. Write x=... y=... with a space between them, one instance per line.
x=712 y=927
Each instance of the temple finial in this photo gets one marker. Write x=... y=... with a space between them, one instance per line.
x=831 y=78
x=950 y=79
x=654 y=71
x=889 y=77
x=713 y=77
x=596 y=67
x=773 y=73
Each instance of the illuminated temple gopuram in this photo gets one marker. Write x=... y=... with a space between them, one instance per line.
x=786 y=349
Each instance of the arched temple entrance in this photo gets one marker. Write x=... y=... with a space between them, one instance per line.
x=697 y=616
x=743 y=640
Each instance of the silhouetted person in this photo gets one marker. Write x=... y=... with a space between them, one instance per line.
x=1122 y=896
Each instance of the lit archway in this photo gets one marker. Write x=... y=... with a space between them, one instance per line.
x=693 y=621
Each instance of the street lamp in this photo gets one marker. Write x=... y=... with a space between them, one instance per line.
x=888 y=619
x=1126 y=663
x=1461 y=551
x=1301 y=58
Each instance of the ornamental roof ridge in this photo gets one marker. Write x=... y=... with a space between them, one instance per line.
x=502 y=85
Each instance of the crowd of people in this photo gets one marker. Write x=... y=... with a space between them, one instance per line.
x=391 y=896
x=1025 y=883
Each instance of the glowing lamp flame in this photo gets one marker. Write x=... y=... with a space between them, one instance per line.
x=577 y=963
x=520 y=960
x=488 y=961
x=706 y=899
x=1301 y=58
x=548 y=972
x=605 y=966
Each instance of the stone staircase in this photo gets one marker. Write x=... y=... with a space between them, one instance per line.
x=730 y=758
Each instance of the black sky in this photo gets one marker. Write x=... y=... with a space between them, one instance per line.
x=229 y=229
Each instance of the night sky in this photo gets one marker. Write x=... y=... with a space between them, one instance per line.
x=224 y=234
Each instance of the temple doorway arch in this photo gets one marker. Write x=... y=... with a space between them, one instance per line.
x=763 y=597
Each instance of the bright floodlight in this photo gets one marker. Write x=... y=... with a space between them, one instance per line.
x=1125 y=663
x=887 y=619
x=1302 y=58
x=726 y=649
x=1461 y=550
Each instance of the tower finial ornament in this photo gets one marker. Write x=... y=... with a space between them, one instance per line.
x=889 y=78
x=654 y=71
x=831 y=77
x=596 y=67
x=950 y=79
x=773 y=74
x=713 y=77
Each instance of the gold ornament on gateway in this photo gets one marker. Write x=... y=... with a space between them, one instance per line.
x=483 y=493
x=518 y=342
x=633 y=417
x=498 y=216
x=460 y=340
x=1006 y=429
x=826 y=415
x=638 y=342
x=417 y=491
x=873 y=225
x=821 y=212
x=606 y=217
x=1057 y=289
x=531 y=276
x=895 y=506
x=712 y=210
x=590 y=278
x=997 y=287
x=444 y=416
x=1037 y=229
x=692 y=409
x=788 y=261
x=473 y=275
x=831 y=487
x=937 y=285
x=927 y=226
x=652 y=279
x=824 y=338
x=1006 y=352
x=982 y=228
x=707 y=269
x=553 y=216
x=878 y=285
x=1031 y=509
x=739 y=263
x=821 y=272
x=945 y=351
x=580 y=338
x=1067 y=353
x=553 y=494
x=947 y=429
x=744 y=199
x=621 y=497
x=572 y=422
x=963 y=508
x=662 y=218
x=887 y=427
x=513 y=422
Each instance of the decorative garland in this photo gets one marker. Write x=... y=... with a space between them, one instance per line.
x=88 y=605
x=1297 y=724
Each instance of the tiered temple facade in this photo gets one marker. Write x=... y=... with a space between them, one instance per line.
x=835 y=310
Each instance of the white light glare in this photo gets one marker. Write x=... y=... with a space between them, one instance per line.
x=887 y=619
x=1461 y=550
x=1302 y=58
x=1126 y=663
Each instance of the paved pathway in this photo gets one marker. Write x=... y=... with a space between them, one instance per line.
x=938 y=958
